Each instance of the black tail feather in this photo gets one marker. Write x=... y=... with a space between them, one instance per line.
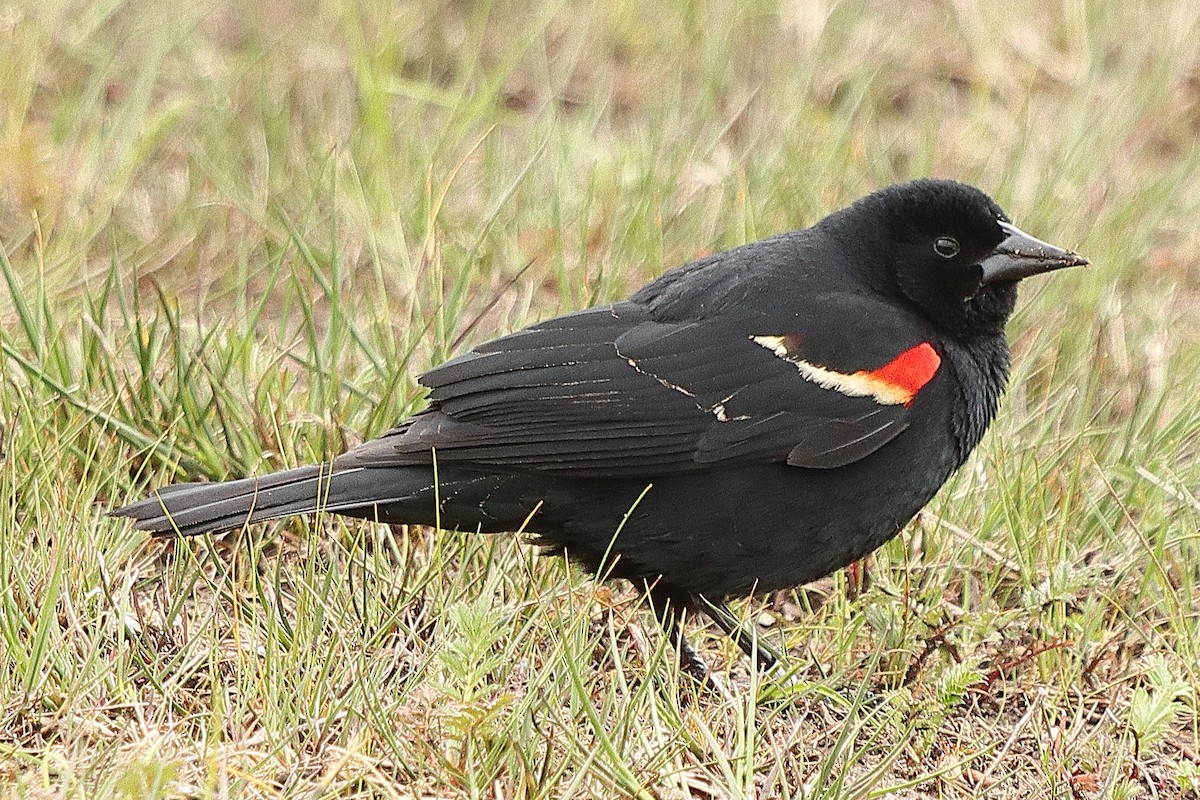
x=188 y=509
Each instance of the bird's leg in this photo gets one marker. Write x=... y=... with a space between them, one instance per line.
x=767 y=658
x=690 y=661
x=670 y=612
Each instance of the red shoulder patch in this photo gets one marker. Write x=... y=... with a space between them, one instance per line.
x=895 y=383
x=911 y=370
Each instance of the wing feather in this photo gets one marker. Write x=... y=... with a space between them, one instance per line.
x=612 y=392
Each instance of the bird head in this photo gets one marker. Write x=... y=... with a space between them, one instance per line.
x=954 y=252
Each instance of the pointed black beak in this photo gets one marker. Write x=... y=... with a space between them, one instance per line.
x=1021 y=255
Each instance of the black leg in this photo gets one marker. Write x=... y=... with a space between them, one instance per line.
x=767 y=657
x=670 y=608
x=690 y=661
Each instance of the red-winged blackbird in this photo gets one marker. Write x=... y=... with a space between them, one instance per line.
x=748 y=422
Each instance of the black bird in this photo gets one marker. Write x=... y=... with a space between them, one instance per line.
x=750 y=421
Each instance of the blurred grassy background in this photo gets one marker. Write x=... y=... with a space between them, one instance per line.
x=232 y=234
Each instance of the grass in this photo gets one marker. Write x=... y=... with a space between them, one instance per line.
x=232 y=235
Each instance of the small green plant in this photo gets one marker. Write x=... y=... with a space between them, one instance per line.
x=1159 y=703
x=147 y=780
x=469 y=653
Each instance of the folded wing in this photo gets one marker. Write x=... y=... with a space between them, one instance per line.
x=612 y=392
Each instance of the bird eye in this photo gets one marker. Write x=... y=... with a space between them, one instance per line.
x=946 y=246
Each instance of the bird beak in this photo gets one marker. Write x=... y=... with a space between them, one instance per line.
x=1021 y=255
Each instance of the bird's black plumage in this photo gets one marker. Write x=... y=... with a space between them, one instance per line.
x=750 y=421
